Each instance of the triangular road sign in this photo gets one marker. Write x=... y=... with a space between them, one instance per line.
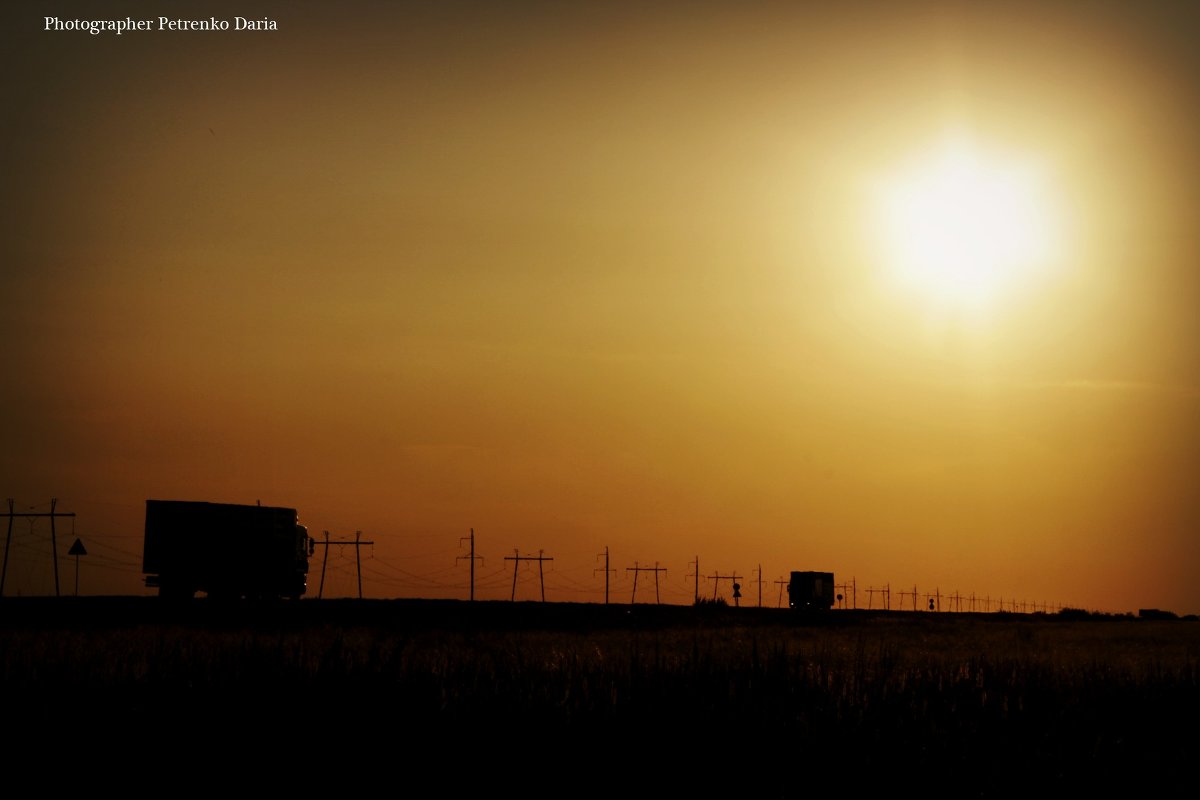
x=77 y=549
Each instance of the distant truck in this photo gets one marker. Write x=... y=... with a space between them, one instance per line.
x=224 y=550
x=811 y=591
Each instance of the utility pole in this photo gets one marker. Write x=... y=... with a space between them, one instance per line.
x=358 y=560
x=470 y=558
x=780 y=583
x=517 y=558
x=7 y=547
x=53 y=538
x=717 y=577
x=695 y=565
x=606 y=572
x=324 y=558
x=358 y=544
x=849 y=590
x=635 y=569
x=760 y=583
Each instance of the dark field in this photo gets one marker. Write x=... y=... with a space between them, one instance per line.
x=567 y=699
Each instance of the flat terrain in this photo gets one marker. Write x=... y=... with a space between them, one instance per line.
x=952 y=704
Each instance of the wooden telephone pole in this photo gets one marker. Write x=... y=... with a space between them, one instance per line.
x=517 y=558
x=471 y=558
x=53 y=538
x=635 y=569
x=717 y=577
x=357 y=544
x=606 y=572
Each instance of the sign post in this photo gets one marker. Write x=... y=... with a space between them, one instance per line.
x=77 y=550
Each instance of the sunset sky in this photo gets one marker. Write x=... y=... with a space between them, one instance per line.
x=615 y=274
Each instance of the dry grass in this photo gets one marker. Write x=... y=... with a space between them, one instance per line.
x=985 y=705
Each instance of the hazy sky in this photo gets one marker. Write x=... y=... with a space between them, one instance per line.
x=587 y=275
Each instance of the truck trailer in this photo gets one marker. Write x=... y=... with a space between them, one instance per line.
x=811 y=591
x=224 y=550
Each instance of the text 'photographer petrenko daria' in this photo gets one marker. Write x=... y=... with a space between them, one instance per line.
x=96 y=27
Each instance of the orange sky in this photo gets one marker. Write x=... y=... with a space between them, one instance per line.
x=601 y=275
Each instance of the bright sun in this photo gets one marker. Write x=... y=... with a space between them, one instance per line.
x=966 y=228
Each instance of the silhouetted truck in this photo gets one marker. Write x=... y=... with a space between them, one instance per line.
x=224 y=550
x=811 y=591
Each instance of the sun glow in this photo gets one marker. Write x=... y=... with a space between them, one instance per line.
x=965 y=228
